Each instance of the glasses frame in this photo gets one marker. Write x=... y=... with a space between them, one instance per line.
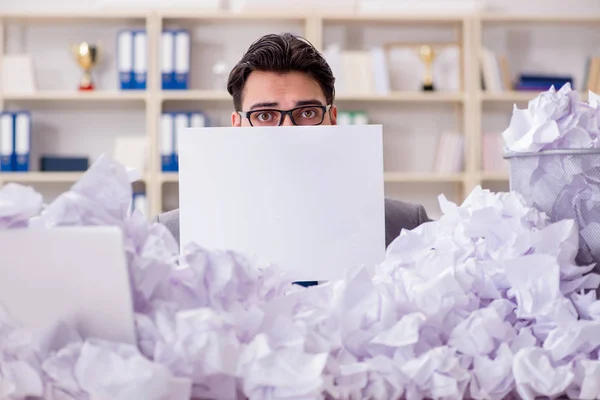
x=283 y=113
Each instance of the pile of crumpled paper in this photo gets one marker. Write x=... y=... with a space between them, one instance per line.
x=485 y=303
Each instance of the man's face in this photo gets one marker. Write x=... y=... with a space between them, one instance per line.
x=270 y=90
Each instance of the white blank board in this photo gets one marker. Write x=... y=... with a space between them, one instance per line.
x=309 y=199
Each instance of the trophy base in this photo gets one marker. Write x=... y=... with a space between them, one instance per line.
x=87 y=87
x=428 y=87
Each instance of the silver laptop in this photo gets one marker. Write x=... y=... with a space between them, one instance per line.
x=72 y=273
x=309 y=199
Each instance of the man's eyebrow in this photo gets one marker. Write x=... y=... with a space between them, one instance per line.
x=311 y=102
x=266 y=104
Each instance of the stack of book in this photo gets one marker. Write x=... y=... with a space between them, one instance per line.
x=359 y=72
x=495 y=76
x=449 y=153
x=541 y=83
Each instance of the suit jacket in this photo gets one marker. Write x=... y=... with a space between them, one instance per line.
x=398 y=216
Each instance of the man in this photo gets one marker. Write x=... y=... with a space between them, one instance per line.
x=283 y=80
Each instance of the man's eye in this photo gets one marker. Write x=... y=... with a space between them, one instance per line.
x=265 y=116
x=310 y=113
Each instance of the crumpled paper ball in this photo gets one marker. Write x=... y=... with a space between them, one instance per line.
x=487 y=303
x=554 y=120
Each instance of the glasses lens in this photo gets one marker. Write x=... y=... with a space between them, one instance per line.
x=265 y=118
x=309 y=115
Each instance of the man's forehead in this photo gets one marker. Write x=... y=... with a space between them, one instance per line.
x=281 y=88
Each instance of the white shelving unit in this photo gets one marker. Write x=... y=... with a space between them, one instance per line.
x=466 y=104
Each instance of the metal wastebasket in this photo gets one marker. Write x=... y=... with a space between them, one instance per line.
x=564 y=184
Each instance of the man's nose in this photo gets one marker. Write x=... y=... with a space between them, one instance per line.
x=287 y=120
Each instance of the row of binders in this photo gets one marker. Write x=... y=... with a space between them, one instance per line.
x=132 y=59
x=15 y=141
x=171 y=123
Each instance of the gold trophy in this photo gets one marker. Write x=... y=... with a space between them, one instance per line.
x=427 y=55
x=86 y=55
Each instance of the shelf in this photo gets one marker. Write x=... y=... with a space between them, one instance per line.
x=169 y=177
x=540 y=18
x=216 y=95
x=441 y=97
x=46 y=177
x=94 y=14
x=394 y=17
x=422 y=177
x=224 y=15
x=197 y=95
x=138 y=95
x=513 y=96
x=40 y=177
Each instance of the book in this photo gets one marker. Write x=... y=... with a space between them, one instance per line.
x=449 y=153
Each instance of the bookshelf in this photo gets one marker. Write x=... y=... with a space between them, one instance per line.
x=466 y=106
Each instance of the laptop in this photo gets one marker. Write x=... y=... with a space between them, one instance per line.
x=71 y=273
x=308 y=199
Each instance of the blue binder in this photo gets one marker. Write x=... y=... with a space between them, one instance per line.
x=198 y=120
x=125 y=59
x=180 y=120
x=167 y=139
x=7 y=140
x=22 y=142
x=182 y=60
x=140 y=59
x=167 y=55
x=138 y=202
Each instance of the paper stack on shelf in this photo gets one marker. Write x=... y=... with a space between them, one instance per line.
x=449 y=153
x=495 y=72
x=359 y=72
x=17 y=74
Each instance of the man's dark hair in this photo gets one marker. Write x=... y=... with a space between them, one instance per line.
x=281 y=53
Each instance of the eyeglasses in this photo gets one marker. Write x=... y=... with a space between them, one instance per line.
x=304 y=115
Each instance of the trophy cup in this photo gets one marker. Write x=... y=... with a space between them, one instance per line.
x=427 y=55
x=86 y=55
